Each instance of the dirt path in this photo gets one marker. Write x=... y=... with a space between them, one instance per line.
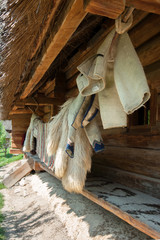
x=39 y=209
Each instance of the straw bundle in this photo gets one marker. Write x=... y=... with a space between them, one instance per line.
x=24 y=21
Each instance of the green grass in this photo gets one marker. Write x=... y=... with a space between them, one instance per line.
x=2 y=231
x=4 y=160
x=2 y=186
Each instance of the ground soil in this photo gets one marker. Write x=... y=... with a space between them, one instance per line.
x=38 y=208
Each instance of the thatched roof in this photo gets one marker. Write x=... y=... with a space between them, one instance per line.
x=40 y=38
x=22 y=22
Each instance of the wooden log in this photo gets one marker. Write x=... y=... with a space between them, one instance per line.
x=15 y=151
x=136 y=160
x=50 y=89
x=129 y=179
x=72 y=15
x=138 y=16
x=46 y=28
x=88 y=50
x=153 y=107
x=72 y=82
x=60 y=87
x=72 y=93
x=145 y=30
x=111 y=9
x=16 y=145
x=17 y=173
x=145 y=5
x=150 y=51
x=158 y=114
x=117 y=209
x=152 y=73
x=141 y=140
x=37 y=101
x=47 y=85
x=91 y=47
x=24 y=116
x=20 y=111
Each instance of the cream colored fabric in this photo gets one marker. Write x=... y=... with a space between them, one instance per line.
x=130 y=79
x=121 y=83
x=91 y=80
x=29 y=143
x=94 y=135
x=111 y=109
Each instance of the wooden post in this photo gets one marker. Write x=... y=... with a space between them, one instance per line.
x=20 y=124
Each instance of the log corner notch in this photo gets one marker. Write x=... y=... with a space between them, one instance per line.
x=111 y=9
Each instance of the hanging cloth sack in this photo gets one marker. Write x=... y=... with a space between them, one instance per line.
x=129 y=76
x=111 y=110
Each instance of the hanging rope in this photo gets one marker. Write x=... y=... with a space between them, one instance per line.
x=122 y=24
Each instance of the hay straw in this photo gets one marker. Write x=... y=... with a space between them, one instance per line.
x=24 y=21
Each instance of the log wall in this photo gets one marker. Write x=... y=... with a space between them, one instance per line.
x=20 y=124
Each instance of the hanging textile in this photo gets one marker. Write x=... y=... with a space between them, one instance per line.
x=81 y=114
x=29 y=142
x=121 y=86
x=38 y=131
x=130 y=79
x=78 y=112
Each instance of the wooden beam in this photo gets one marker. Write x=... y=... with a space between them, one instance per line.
x=91 y=47
x=145 y=30
x=72 y=93
x=72 y=15
x=14 y=108
x=129 y=218
x=46 y=28
x=145 y=5
x=111 y=9
x=46 y=86
x=20 y=111
x=149 y=52
x=153 y=75
x=131 y=159
x=129 y=179
x=18 y=172
x=38 y=101
x=153 y=107
x=72 y=82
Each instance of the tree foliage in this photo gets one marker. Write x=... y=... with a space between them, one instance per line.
x=4 y=142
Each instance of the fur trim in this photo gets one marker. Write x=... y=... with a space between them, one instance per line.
x=75 y=175
x=26 y=145
x=61 y=158
x=29 y=142
x=55 y=129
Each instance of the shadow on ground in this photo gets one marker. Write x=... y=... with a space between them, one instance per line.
x=99 y=221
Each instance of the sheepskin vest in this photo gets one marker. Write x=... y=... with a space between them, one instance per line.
x=81 y=113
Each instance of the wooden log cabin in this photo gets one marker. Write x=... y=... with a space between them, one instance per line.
x=39 y=71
